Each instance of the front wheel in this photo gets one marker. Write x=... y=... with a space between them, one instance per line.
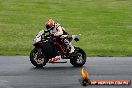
x=38 y=58
x=78 y=58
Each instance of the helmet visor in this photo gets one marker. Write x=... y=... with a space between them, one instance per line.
x=47 y=26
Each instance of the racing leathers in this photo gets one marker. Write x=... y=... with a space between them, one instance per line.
x=59 y=31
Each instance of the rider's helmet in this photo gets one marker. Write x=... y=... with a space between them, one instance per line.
x=50 y=24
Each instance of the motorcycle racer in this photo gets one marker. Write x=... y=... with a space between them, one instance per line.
x=58 y=31
x=49 y=47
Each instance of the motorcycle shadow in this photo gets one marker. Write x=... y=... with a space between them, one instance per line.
x=57 y=68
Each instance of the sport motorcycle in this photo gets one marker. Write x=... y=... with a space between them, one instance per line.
x=47 y=49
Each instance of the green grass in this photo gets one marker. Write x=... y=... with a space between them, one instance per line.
x=105 y=25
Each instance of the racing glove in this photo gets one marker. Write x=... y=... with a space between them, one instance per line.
x=76 y=39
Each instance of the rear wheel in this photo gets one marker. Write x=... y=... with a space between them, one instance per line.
x=78 y=58
x=37 y=59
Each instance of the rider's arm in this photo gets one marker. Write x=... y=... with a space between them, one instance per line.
x=46 y=30
x=59 y=31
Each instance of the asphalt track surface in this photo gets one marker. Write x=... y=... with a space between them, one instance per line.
x=18 y=72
